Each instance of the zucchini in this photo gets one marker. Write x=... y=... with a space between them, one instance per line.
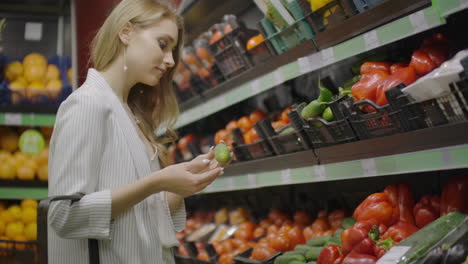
x=295 y=252
x=430 y=234
x=318 y=241
x=302 y=248
x=313 y=253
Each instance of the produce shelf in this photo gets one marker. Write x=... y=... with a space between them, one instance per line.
x=20 y=193
x=441 y=148
x=27 y=119
x=449 y=7
x=406 y=26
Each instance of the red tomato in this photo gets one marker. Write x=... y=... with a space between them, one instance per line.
x=256 y=116
x=278 y=125
x=262 y=253
x=281 y=242
x=221 y=135
x=274 y=214
x=202 y=255
x=302 y=218
x=308 y=233
x=231 y=125
x=284 y=114
x=226 y=258
x=243 y=234
x=248 y=226
x=265 y=223
x=218 y=246
x=245 y=124
x=184 y=141
x=285 y=228
x=237 y=242
x=258 y=232
x=422 y=63
x=182 y=251
x=320 y=224
x=296 y=237
x=251 y=136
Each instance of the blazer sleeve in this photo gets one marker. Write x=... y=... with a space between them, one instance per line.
x=76 y=148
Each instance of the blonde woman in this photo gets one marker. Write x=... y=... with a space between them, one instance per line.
x=104 y=146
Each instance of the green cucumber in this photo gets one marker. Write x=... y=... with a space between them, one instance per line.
x=288 y=130
x=302 y=248
x=318 y=241
x=313 y=109
x=348 y=222
x=286 y=259
x=430 y=234
x=295 y=252
x=313 y=253
x=297 y=262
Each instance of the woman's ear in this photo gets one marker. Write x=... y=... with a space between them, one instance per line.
x=126 y=33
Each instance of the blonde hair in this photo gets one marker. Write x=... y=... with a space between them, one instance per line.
x=155 y=107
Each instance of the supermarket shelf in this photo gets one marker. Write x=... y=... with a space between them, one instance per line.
x=433 y=149
x=19 y=193
x=409 y=25
x=449 y=7
x=29 y=119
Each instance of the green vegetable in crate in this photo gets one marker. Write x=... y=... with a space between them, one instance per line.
x=302 y=248
x=325 y=94
x=421 y=241
x=297 y=262
x=313 y=253
x=328 y=114
x=286 y=259
x=318 y=241
x=222 y=153
x=312 y=262
x=348 y=222
x=313 y=109
x=287 y=131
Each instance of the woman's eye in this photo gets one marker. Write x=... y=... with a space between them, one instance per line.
x=162 y=44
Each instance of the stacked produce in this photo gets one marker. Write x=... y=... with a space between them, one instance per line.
x=15 y=164
x=34 y=77
x=18 y=222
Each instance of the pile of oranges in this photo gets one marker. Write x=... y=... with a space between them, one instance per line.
x=33 y=77
x=16 y=165
x=18 y=222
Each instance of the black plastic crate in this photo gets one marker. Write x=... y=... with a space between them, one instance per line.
x=287 y=143
x=18 y=252
x=257 y=150
x=244 y=258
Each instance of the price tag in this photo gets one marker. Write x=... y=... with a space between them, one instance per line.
x=304 y=65
x=279 y=77
x=230 y=183
x=328 y=57
x=255 y=86
x=286 y=176
x=371 y=40
x=393 y=255
x=369 y=167
x=320 y=173
x=315 y=61
x=252 y=178
x=418 y=20
x=13 y=119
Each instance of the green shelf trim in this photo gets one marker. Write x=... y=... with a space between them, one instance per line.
x=401 y=28
x=30 y=119
x=20 y=193
x=453 y=157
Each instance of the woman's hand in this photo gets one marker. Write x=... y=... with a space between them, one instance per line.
x=187 y=178
x=198 y=164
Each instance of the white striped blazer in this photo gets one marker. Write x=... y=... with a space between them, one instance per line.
x=94 y=148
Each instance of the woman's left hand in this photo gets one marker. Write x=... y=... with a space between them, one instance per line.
x=206 y=162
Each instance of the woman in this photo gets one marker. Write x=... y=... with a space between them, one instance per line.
x=104 y=146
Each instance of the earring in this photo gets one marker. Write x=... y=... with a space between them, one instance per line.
x=125 y=68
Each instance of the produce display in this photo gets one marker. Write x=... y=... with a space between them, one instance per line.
x=17 y=165
x=391 y=218
x=18 y=222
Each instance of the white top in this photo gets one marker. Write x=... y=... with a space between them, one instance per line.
x=95 y=148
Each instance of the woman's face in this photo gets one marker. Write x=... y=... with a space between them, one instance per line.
x=149 y=54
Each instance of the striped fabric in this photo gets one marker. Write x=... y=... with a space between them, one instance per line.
x=95 y=148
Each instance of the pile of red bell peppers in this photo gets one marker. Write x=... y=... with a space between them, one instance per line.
x=385 y=219
x=378 y=77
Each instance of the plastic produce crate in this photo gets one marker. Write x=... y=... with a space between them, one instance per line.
x=257 y=150
x=230 y=53
x=288 y=143
x=16 y=252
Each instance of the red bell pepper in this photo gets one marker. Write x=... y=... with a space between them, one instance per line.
x=401 y=197
x=369 y=67
x=353 y=236
x=336 y=218
x=366 y=87
x=357 y=258
x=405 y=75
x=454 y=196
x=398 y=65
x=426 y=210
x=422 y=63
x=382 y=247
x=366 y=246
x=330 y=255
x=436 y=54
x=377 y=207
x=399 y=231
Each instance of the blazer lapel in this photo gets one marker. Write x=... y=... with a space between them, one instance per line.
x=134 y=143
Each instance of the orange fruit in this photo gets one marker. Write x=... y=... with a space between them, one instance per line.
x=29 y=203
x=4 y=155
x=19 y=158
x=15 y=211
x=35 y=73
x=245 y=124
x=25 y=173
x=29 y=215
x=53 y=73
x=34 y=59
x=54 y=87
x=13 y=70
x=6 y=217
x=30 y=231
x=7 y=171
x=43 y=157
x=255 y=41
x=14 y=229
x=43 y=173
x=30 y=162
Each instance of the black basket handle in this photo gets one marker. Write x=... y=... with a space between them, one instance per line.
x=42 y=215
x=364 y=102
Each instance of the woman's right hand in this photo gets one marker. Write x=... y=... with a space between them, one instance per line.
x=180 y=178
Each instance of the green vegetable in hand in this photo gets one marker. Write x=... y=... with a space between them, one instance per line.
x=222 y=153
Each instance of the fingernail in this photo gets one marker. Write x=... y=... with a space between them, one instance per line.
x=206 y=161
x=211 y=148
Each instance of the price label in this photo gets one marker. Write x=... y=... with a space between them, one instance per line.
x=369 y=167
x=252 y=178
x=418 y=20
x=320 y=173
x=31 y=142
x=304 y=65
x=13 y=119
x=230 y=183
x=371 y=40
x=255 y=86
x=328 y=57
x=286 y=176
x=279 y=77
x=393 y=255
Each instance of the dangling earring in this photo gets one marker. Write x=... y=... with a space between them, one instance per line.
x=125 y=68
